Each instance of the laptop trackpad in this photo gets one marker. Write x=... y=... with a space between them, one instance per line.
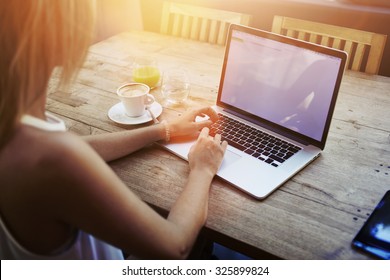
x=229 y=158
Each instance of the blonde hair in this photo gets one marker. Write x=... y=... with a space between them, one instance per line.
x=35 y=37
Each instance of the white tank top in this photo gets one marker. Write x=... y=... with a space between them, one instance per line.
x=83 y=246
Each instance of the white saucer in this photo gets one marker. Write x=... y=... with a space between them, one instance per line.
x=118 y=115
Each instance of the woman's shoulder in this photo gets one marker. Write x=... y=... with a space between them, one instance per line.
x=35 y=162
x=58 y=164
x=52 y=145
x=64 y=152
x=32 y=150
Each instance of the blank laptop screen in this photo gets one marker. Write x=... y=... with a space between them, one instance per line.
x=279 y=82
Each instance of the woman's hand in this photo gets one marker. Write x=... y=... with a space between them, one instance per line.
x=207 y=153
x=186 y=124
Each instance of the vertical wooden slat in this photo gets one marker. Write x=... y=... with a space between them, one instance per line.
x=348 y=49
x=213 y=32
x=185 y=30
x=277 y=24
x=336 y=43
x=245 y=19
x=291 y=33
x=376 y=53
x=176 y=25
x=325 y=41
x=195 y=28
x=222 y=34
x=313 y=38
x=301 y=35
x=358 y=57
x=203 y=30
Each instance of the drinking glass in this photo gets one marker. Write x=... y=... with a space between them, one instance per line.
x=175 y=86
x=146 y=71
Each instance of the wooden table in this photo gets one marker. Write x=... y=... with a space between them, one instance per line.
x=313 y=216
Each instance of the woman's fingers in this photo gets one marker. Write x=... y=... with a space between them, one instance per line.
x=204 y=132
x=217 y=138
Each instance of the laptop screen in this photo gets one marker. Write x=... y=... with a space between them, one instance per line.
x=283 y=83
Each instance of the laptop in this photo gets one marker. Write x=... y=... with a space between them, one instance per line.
x=275 y=100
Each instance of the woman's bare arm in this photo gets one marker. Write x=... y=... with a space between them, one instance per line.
x=111 y=146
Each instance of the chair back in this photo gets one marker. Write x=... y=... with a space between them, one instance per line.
x=365 y=49
x=199 y=23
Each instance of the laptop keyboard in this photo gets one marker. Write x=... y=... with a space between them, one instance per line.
x=254 y=142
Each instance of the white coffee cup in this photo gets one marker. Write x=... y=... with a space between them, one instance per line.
x=135 y=97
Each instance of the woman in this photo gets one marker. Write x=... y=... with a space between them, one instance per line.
x=59 y=199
